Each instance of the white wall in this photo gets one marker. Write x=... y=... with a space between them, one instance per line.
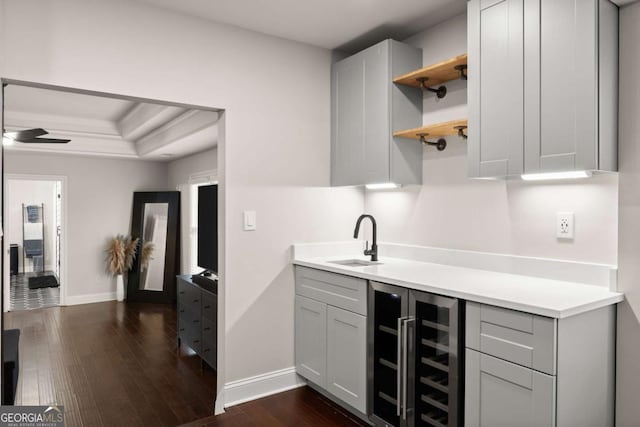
x=27 y=192
x=276 y=95
x=181 y=170
x=628 y=343
x=99 y=204
x=513 y=217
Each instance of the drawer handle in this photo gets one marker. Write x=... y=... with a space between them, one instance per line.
x=207 y=306
x=207 y=328
x=182 y=311
x=196 y=300
x=196 y=321
x=181 y=292
x=196 y=341
x=207 y=349
x=181 y=329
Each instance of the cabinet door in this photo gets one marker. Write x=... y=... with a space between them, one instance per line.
x=311 y=340
x=561 y=85
x=502 y=394
x=347 y=116
x=347 y=357
x=495 y=87
x=377 y=131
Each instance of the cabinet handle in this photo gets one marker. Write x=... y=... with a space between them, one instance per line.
x=196 y=300
x=181 y=329
x=196 y=321
x=181 y=292
x=398 y=371
x=207 y=306
x=182 y=311
x=207 y=328
x=405 y=364
x=196 y=341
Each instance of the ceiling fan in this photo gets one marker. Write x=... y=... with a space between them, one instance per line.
x=32 y=136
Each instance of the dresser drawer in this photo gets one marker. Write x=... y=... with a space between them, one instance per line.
x=190 y=296
x=209 y=352
x=209 y=305
x=523 y=338
x=188 y=320
x=348 y=293
x=209 y=330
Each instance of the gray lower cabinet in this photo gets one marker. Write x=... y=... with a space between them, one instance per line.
x=503 y=394
x=367 y=107
x=331 y=335
x=528 y=370
x=197 y=319
x=311 y=340
x=346 y=357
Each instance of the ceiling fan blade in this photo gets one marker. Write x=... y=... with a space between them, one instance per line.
x=26 y=134
x=43 y=141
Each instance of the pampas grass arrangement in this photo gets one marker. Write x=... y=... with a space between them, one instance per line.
x=145 y=256
x=121 y=251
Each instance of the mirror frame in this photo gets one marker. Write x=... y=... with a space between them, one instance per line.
x=172 y=254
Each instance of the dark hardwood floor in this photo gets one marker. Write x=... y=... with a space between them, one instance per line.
x=110 y=364
x=116 y=364
x=302 y=407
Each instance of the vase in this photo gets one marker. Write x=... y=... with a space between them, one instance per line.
x=119 y=287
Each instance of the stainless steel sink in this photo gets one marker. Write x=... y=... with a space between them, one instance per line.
x=355 y=262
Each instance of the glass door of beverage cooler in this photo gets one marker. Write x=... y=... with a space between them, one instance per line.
x=436 y=370
x=388 y=309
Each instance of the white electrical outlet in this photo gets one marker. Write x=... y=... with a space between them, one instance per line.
x=564 y=225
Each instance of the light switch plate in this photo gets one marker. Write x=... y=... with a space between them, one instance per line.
x=249 y=220
x=564 y=225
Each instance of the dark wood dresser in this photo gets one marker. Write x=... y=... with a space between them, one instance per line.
x=197 y=319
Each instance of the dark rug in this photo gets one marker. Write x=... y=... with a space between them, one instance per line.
x=44 y=281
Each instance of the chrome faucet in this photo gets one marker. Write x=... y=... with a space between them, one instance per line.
x=374 y=246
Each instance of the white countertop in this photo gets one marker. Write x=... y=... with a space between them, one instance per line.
x=546 y=297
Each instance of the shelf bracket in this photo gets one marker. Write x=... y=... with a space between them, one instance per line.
x=462 y=69
x=461 y=130
x=440 y=92
x=440 y=144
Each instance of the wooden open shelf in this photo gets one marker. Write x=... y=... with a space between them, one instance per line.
x=436 y=74
x=433 y=131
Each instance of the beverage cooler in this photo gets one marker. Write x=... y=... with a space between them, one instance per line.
x=415 y=364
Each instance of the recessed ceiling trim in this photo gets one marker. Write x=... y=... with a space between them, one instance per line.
x=179 y=128
x=144 y=118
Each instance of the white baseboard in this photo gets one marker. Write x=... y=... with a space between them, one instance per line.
x=90 y=298
x=247 y=389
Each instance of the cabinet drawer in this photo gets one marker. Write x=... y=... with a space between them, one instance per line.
x=523 y=338
x=209 y=305
x=189 y=295
x=209 y=331
x=193 y=341
x=188 y=320
x=209 y=352
x=341 y=291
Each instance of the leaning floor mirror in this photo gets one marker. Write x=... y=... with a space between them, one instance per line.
x=155 y=222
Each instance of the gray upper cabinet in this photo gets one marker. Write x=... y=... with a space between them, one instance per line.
x=366 y=109
x=542 y=86
x=495 y=82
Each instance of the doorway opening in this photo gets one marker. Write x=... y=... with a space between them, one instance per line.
x=33 y=212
